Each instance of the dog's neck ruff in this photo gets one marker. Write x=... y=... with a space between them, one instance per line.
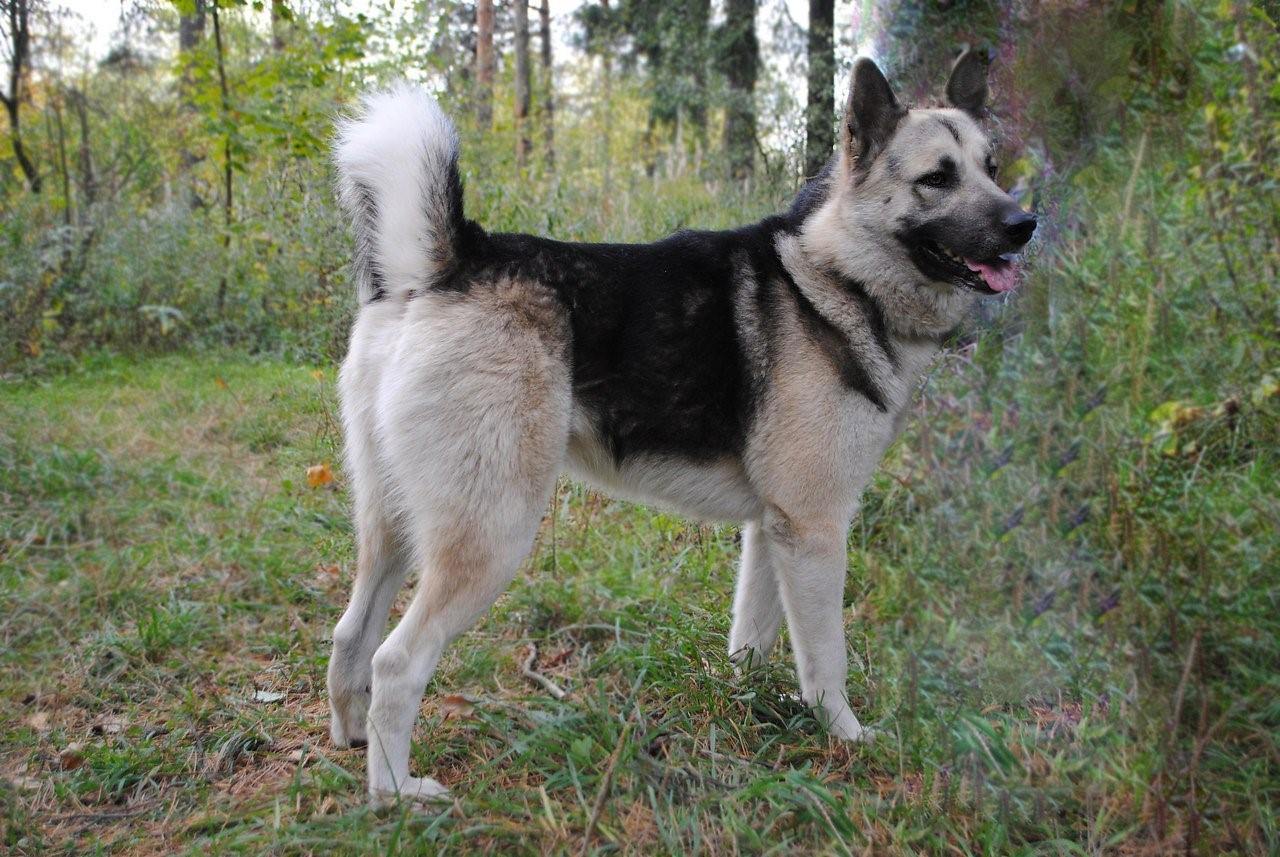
x=849 y=324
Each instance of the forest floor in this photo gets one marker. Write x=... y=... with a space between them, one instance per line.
x=169 y=578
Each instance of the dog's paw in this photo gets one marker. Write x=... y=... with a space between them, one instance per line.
x=345 y=735
x=747 y=659
x=842 y=724
x=420 y=793
x=860 y=735
x=347 y=721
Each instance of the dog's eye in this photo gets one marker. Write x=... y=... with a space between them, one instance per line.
x=937 y=178
x=992 y=168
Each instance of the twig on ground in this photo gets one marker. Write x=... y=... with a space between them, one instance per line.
x=527 y=670
x=602 y=793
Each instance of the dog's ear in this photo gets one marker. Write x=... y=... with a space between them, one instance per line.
x=871 y=114
x=967 y=86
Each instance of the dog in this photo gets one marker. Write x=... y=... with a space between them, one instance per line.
x=755 y=375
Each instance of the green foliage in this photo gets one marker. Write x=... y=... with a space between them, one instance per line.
x=143 y=258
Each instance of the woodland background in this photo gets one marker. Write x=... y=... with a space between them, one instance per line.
x=1063 y=596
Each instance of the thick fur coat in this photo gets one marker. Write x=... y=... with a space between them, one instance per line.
x=754 y=375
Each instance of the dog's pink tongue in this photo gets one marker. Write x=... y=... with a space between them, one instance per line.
x=1001 y=277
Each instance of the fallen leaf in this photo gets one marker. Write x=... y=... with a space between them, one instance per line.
x=267 y=696
x=222 y=384
x=318 y=374
x=319 y=475
x=457 y=705
x=39 y=721
x=71 y=757
x=885 y=786
x=558 y=658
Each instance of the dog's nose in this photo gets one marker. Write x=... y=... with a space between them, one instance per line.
x=1019 y=225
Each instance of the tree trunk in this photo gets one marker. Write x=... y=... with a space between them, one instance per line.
x=279 y=24
x=821 y=107
x=190 y=34
x=228 y=199
x=484 y=64
x=523 y=144
x=59 y=132
x=701 y=14
x=742 y=61
x=19 y=12
x=606 y=138
x=88 y=181
x=549 y=88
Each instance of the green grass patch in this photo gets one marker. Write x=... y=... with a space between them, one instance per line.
x=169 y=584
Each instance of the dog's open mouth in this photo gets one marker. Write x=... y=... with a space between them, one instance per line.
x=988 y=276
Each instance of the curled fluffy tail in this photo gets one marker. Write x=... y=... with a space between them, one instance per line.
x=398 y=181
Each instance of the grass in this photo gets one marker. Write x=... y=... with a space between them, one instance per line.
x=1062 y=606
x=165 y=564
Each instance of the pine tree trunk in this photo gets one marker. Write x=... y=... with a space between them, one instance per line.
x=821 y=106
x=742 y=62
x=523 y=144
x=228 y=199
x=485 y=63
x=606 y=138
x=549 y=88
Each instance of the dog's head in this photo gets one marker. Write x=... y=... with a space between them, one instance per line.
x=910 y=205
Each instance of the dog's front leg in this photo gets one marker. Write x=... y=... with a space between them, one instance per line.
x=810 y=562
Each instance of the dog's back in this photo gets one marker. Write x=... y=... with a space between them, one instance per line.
x=662 y=379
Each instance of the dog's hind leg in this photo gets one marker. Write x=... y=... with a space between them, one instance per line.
x=382 y=562
x=461 y=578
x=475 y=424
x=467 y=561
x=382 y=558
x=757 y=605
